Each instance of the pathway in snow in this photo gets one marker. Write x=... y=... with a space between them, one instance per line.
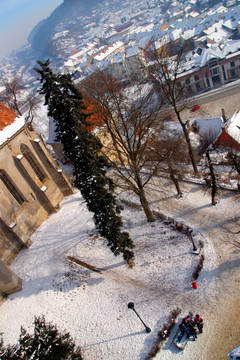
x=219 y=224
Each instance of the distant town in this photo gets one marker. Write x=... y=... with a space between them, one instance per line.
x=118 y=36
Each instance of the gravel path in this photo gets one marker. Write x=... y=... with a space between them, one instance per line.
x=221 y=227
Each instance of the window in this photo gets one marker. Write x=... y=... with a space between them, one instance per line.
x=196 y=77
x=187 y=81
x=213 y=63
x=215 y=72
x=224 y=73
x=198 y=86
x=232 y=64
x=33 y=162
x=233 y=73
x=11 y=187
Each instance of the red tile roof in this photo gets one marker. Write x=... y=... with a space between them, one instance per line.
x=7 y=116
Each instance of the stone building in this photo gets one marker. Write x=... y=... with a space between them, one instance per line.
x=31 y=187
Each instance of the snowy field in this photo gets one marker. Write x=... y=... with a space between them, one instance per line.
x=93 y=306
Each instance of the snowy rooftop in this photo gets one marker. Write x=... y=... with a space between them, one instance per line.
x=209 y=127
x=11 y=129
x=233 y=126
x=132 y=51
x=109 y=51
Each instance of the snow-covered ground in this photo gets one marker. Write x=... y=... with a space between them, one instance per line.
x=93 y=306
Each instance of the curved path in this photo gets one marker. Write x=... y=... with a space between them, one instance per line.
x=221 y=225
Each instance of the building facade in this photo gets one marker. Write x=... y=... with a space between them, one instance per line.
x=31 y=187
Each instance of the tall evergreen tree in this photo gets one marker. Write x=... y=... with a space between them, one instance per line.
x=65 y=106
x=47 y=343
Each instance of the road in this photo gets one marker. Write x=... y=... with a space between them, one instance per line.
x=212 y=102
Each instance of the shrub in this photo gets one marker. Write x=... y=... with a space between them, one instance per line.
x=198 y=268
x=163 y=334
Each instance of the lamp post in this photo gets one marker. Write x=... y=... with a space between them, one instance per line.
x=131 y=306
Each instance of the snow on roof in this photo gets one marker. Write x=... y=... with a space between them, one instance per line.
x=208 y=54
x=209 y=127
x=10 y=123
x=162 y=41
x=11 y=129
x=232 y=17
x=175 y=34
x=69 y=63
x=132 y=51
x=219 y=35
x=231 y=46
x=194 y=14
x=143 y=42
x=108 y=51
x=118 y=58
x=213 y=28
x=60 y=34
x=233 y=126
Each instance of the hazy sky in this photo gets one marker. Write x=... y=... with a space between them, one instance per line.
x=17 y=19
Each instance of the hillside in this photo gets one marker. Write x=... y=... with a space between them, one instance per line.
x=60 y=19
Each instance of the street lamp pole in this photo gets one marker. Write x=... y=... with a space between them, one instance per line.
x=131 y=306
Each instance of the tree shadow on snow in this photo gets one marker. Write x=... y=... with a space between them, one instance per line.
x=170 y=197
x=64 y=282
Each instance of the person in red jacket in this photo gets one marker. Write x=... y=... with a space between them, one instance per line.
x=199 y=322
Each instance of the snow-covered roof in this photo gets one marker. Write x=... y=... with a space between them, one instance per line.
x=11 y=129
x=118 y=58
x=69 y=63
x=231 y=46
x=162 y=41
x=233 y=126
x=109 y=51
x=208 y=127
x=175 y=34
x=132 y=51
x=208 y=54
x=219 y=35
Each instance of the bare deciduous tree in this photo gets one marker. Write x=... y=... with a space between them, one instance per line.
x=206 y=148
x=129 y=120
x=165 y=66
x=14 y=100
x=11 y=98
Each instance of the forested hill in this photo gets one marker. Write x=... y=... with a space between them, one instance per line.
x=69 y=10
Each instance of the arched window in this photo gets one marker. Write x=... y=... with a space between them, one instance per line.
x=32 y=162
x=11 y=187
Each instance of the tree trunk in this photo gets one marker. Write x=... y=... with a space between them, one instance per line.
x=189 y=145
x=141 y=193
x=145 y=206
x=175 y=180
x=213 y=179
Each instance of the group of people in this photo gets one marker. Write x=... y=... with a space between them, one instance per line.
x=190 y=325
